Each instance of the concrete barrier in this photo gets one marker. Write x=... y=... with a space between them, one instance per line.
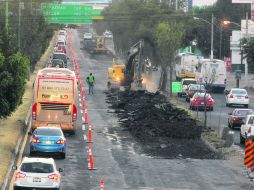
x=226 y=134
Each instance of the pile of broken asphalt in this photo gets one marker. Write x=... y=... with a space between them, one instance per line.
x=163 y=129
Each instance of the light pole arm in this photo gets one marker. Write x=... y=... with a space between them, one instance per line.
x=197 y=18
x=235 y=24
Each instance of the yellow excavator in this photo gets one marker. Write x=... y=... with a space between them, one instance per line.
x=116 y=74
x=132 y=74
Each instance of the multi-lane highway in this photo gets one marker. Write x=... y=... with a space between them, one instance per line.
x=119 y=159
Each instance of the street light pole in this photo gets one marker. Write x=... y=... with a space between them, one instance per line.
x=7 y=15
x=211 y=57
x=247 y=36
x=212 y=31
x=19 y=26
x=220 y=41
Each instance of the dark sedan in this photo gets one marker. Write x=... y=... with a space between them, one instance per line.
x=235 y=119
x=56 y=63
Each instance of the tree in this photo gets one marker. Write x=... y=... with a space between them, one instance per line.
x=248 y=51
x=13 y=73
x=200 y=31
x=132 y=20
x=168 y=39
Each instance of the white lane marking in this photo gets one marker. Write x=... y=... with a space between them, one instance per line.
x=81 y=111
x=83 y=127
x=83 y=119
x=79 y=99
x=80 y=105
x=79 y=94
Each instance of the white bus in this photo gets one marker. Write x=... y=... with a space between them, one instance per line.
x=55 y=96
x=213 y=72
x=186 y=65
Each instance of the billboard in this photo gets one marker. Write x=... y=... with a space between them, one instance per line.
x=241 y=1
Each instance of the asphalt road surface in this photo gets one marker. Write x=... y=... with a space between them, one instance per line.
x=118 y=157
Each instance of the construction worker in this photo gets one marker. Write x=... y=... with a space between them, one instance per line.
x=90 y=81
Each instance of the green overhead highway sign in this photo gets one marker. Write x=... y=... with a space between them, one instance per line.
x=176 y=87
x=69 y=13
x=66 y=7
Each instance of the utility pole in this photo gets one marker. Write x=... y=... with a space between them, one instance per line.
x=212 y=37
x=220 y=41
x=205 y=111
x=19 y=26
x=176 y=4
x=247 y=36
x=7 y=15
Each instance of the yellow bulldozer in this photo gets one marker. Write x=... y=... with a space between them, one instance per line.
x=116 y=74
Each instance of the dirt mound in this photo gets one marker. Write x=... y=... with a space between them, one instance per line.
x=159 y=125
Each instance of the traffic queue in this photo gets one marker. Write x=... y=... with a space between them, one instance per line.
x=54 y=112
x=199 y=98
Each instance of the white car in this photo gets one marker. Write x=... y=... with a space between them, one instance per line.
x=88 y=36
x=62 y=32
x=36 y=173
x=247 y=128
x=237 y=96
x=108 y=34
x=185 y=83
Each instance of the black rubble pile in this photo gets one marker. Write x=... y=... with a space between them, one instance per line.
x=149 y=115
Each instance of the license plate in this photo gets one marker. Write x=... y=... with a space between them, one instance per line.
x=48 y=142
x=202 y=103
x=239 y=97
x=36 y=179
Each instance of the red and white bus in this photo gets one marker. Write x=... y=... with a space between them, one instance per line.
x=55 y=97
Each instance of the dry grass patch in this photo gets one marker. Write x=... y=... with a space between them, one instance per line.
x=12 y=128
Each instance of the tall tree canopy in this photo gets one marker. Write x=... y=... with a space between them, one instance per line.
x=15 y=61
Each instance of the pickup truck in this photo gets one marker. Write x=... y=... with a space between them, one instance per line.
x=247 y=128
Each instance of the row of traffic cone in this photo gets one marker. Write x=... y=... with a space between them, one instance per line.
x=84 y=107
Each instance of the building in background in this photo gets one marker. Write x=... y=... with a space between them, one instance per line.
x=235 y=46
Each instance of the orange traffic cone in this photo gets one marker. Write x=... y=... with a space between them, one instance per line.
x=86 y=116
x=91 y=161
x=89 y=135
x=102 y=184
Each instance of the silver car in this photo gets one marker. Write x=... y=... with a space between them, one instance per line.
x=37 y=173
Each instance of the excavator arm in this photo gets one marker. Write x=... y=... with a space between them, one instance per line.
x=134 y=64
